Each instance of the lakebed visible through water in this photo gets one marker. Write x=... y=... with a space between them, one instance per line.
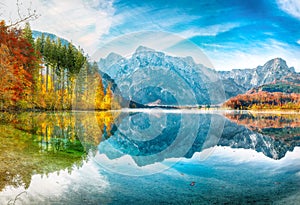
x=152 y=156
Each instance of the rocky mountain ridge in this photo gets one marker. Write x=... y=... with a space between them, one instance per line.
x=202 y=85
x=238 y=81
x=151 y=76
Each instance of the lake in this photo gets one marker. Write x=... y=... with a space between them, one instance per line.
x=151 y=156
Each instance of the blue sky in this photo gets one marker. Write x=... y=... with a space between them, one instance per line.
x=231 y=33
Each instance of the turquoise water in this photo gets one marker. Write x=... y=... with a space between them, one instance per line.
x=157 y=157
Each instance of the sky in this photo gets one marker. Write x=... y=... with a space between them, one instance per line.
x=231 y=33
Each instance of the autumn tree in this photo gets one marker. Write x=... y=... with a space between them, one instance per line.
x=17 y=65
x=46 y=73
x=264 y=100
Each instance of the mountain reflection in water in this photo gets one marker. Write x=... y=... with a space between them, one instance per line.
x=152 y=137
x=43 y=143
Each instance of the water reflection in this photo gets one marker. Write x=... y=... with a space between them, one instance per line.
x=43 y=143
x=150 y=137
x=128 y=142
x=274 y=134
x=277 y=125
x=154 y=137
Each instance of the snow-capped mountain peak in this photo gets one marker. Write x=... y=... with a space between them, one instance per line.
x=239 y=81
x=144 y=49
x=157 y=70
x=149 y=75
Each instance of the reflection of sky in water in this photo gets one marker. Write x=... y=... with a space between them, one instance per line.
x=227 y=175
x=63 y=187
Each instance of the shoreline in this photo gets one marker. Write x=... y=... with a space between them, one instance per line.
x=162 y=109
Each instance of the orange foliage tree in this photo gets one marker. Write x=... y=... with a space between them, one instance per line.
x=42 y=74
x=264 y=100
x=16 y=68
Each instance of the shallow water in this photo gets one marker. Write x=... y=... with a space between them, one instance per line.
x=149 y=157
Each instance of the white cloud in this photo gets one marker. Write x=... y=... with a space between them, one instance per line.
x=169 y=43
x=298 y=42
x=254 y=56
x=290 y=6
x=146 y=18
x=81 y=21
x=220 y=57
x=212 y=30
x=126 y=44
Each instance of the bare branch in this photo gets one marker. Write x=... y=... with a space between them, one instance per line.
x=16 y=198
x=30 y=16
x=18 y=6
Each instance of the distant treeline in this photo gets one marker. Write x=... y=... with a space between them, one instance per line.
x=264 y=100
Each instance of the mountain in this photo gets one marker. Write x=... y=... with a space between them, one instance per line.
x=277 y=95
x=238 y=81
x=36 y=34
x=281 y=86
x=271 y=86
x=150 y=76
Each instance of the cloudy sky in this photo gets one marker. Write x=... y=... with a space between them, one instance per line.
x=231 y=33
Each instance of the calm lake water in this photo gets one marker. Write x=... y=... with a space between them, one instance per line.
x=150 y=157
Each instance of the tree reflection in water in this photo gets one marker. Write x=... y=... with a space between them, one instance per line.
x=43 y=143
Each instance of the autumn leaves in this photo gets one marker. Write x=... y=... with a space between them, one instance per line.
x=265 y=100
x=46 y=74
x=15 y=67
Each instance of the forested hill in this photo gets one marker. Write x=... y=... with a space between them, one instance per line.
x=47 y=73
x=281 y=86
x=277 y=95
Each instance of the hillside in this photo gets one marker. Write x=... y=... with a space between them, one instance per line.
x=281 y=86
x=150 y=76
x=239 y=81
x=254 y=100
x=280 y=94
x=53 y=37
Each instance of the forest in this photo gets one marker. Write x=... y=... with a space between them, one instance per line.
x=264 y=100
x=45 y=74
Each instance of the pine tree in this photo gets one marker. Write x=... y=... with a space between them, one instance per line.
x=27 y=34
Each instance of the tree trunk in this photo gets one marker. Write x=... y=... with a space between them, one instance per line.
x=47 y=74
x=62 y=88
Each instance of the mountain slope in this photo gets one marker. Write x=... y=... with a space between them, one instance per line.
x=242 y=80
x=36 y=34
x=281 y=86
x=150 y=76
x=146 y=78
